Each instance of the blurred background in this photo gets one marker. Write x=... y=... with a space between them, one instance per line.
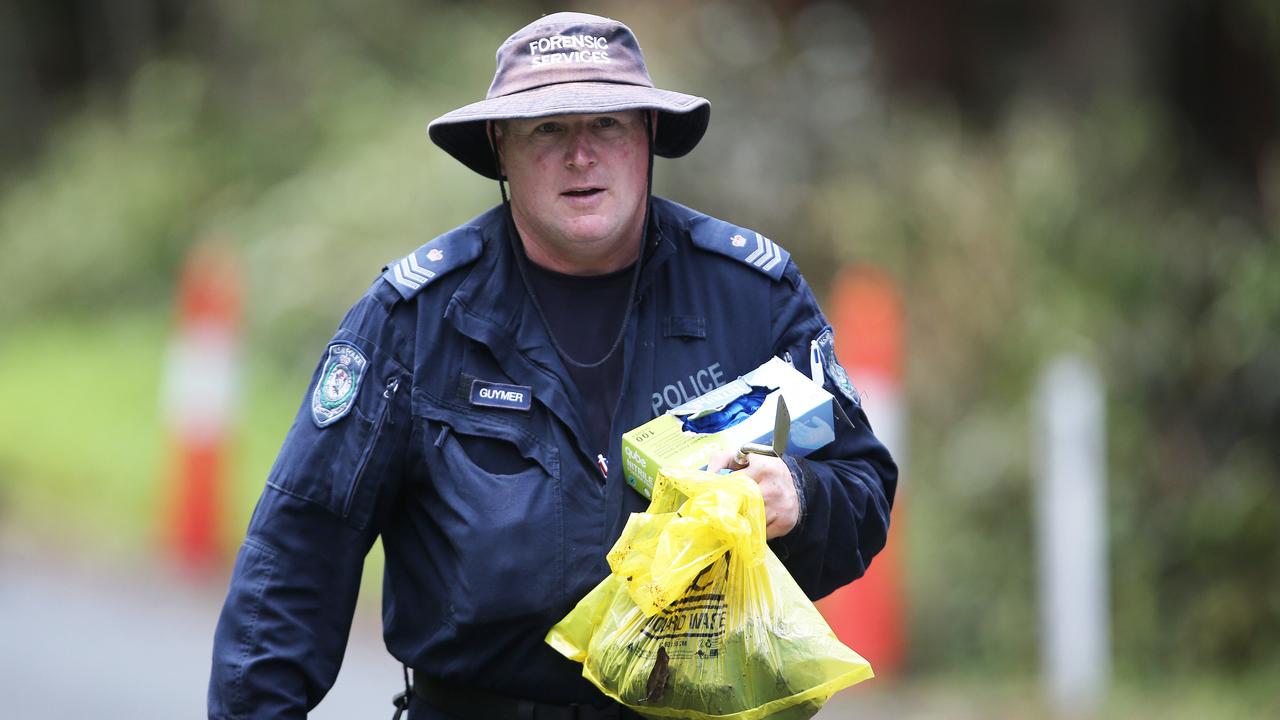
x=193 y=192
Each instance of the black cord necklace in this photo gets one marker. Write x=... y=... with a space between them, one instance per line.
x=518 y=251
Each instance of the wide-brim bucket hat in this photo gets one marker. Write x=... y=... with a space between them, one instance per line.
x=570 y=64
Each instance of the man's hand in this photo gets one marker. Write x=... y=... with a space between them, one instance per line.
x=781 y=505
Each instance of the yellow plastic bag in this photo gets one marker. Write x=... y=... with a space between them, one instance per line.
x=699 y=619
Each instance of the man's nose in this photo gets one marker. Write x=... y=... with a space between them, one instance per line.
x=581 y=152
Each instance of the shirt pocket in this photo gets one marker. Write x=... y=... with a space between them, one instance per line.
x=329 y=466
x=499 y=507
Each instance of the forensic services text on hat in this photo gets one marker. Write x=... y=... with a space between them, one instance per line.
x=583 y=49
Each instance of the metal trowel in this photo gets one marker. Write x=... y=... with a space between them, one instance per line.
x=781 y=434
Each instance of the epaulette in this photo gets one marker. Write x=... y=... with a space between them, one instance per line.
x=741 y=244
x=457 y=248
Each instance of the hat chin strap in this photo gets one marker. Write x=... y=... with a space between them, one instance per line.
x=521 y=258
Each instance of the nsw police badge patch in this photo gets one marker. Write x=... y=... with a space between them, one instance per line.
x=336 y=390
x=823 y=354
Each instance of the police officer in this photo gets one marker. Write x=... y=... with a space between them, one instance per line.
x=469 y=408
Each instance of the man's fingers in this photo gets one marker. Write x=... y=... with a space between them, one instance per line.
x=776 y=488
x=720 y=460
x=774 y=529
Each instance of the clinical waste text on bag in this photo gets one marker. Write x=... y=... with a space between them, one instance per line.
x=698 y=618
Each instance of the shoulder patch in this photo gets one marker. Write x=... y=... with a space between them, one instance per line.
x=338 y=384
x=457 y=248
x=822 y=359
x=746 y=246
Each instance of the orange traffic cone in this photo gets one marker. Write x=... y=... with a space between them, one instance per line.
x=867 y=615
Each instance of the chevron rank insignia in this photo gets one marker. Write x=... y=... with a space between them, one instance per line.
x=766 y=255
x=747 y=246
x=416 y=270
x=409 y=273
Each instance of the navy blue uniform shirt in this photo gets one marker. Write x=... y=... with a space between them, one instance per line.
x=440 y=419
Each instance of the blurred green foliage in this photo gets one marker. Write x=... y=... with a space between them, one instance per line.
x=298 y=134
x=1067 y=232
x=83 y=459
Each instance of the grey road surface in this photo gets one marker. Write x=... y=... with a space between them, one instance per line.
x=88 y=639
x=81 y=640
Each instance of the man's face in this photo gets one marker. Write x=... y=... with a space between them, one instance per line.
x=578 y=183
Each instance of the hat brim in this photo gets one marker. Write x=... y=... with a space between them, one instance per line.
x=682 y=119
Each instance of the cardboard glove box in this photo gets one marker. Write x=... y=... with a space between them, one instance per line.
x=663 y=442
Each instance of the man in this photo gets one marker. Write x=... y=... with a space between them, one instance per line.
x=470 y=407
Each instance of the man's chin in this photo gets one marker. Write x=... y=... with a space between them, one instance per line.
x=588 y=230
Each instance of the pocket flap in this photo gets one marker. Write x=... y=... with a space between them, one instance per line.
x=518 y=430
x=685 y=326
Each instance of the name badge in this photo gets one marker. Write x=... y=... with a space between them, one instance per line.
x=497 y=395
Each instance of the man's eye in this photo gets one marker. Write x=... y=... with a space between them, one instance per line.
x=605 y=122
x=546 y=128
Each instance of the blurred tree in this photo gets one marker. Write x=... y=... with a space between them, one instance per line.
x=1220 y=69
x=56 y=54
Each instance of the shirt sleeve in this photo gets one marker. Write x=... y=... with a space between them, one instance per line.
x=283 y=629
x=847 y=487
